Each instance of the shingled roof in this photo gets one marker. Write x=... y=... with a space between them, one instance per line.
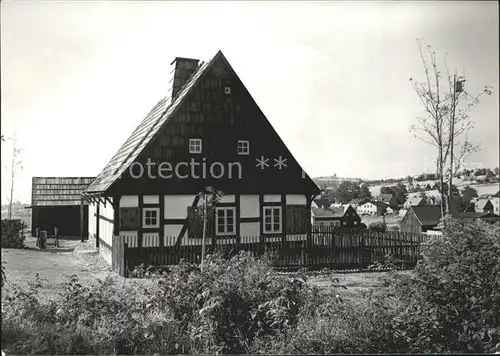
x=427 y=215
x=58 y=191
x=145 y=133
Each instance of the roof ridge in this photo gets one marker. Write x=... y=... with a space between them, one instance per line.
x=145 y=132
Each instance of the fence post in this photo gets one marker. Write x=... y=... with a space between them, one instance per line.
x=124 y=262
x=302 y=255
x=361 y=252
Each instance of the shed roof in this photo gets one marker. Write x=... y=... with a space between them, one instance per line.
x=58 y=191
x=411 y=201
x=427 y=215
x=386 y=198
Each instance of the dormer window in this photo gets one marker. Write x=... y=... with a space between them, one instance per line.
x=243 y=147
x=227 y=90
x=195 y=145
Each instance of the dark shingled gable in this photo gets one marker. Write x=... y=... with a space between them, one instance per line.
x=428 y=215
x=143 y=134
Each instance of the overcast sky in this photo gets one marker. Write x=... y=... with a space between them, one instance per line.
x=331 y=77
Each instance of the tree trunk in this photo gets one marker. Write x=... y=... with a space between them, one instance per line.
x=12 y=185
x=203 y=244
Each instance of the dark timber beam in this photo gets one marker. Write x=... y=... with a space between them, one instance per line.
x=81 y=219
x=97 y=227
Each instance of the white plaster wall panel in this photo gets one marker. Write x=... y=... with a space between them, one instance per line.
x=294 y=199
x=298 y=237
x=228 y=199
x=231 y=241
x=273 y=239
x=151 y=239
x=249 y=206
x=193 y=242
x=129 y=201
x=250 y=229
x=151 y=199
x=106 y=231
x=272 y=198
x=249 y=239
x=171 y=232
x=92 y=220
x=176 y=206
x=106 y=210
x=130 y=237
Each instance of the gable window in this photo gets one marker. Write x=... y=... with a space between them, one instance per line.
x=227 y=90
x=195 y=145
x=151 y=217
x=272 y=220
x=243 y=147
x=225 y=221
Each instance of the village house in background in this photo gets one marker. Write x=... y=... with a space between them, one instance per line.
x=374 y=208
x=345 y=217
x=389 y=199
x=487 y=203
x=420 y=219
x=211 y=116
x=413 y=201
x=56 y=203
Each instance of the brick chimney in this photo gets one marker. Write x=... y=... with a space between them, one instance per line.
x=182 y=70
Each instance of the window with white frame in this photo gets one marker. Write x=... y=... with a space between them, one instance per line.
x=150 y=217
x=272 y=219
x=225 y=218
x=195 y=145
x=243 y=147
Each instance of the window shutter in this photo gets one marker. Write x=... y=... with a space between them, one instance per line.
x=297 y=219
x=129 y=219
x=195 y=223
x=210 y=223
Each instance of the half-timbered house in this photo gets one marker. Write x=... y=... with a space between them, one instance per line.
x=208 y=132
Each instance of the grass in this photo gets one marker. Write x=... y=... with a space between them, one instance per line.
x=55 y=266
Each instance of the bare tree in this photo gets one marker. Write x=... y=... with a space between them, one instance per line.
x=209 y=197
x=446 y=121
x=16 y=164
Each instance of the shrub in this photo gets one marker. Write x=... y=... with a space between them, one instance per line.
x=452 y=301
x=4 y=277
x=226 y=304
x=378 y=227
x=12 y=233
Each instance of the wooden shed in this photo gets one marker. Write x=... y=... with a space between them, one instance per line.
x=56 y=202
x=420 y=219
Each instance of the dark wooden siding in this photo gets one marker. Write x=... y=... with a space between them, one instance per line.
x=410 y=223
x=350 y=217
x=65 y=218
x=296 y=220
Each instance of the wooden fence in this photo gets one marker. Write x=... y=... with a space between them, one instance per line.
x=325 y=249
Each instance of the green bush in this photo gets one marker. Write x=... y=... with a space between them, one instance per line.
x=378 y=226
x=12 y=233
x=451 y=303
